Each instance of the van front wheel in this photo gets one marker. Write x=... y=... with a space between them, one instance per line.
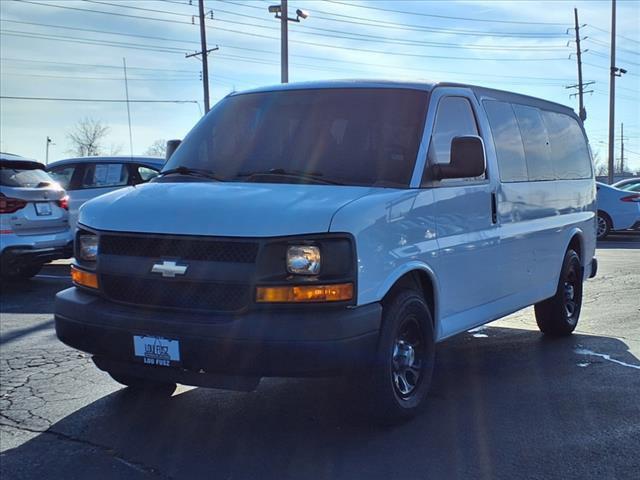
x=399 y=382
x=559 y=314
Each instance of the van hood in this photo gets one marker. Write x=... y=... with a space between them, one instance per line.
x=221 y=209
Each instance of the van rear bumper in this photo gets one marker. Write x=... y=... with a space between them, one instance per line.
x=313 y=342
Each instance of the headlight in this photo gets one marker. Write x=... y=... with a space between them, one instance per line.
x=88 y=247
x=303 y=260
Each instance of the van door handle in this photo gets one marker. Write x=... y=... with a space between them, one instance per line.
x=494 y=208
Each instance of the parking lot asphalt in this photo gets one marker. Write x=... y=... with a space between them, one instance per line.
x=505 y=403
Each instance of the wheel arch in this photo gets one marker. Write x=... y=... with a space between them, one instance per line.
x=576 y=242
x=415 y=275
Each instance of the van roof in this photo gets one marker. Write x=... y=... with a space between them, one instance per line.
x=481 y=92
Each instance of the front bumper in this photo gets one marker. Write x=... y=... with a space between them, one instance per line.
x=302 y=342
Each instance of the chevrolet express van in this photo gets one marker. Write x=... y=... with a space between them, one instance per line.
x=336 y=228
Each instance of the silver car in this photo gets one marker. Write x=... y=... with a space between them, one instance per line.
x=34 y=218
x=85 y=178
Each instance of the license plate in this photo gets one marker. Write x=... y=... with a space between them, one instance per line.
x=156 y=350
x=43 y=209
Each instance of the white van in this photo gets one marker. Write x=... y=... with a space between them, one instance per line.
x=338 y=228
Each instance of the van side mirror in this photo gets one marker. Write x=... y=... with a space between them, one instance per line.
x=172 y=146
x=467 y=159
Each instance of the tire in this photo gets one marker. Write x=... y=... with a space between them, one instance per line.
x=143 y=385
x=558 y=315
x=603 y=225
x=399 y=381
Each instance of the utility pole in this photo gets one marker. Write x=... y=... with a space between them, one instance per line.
x=205 y=53
x=284 y=42
x=612 y=90
x=580 y=86
x=205 y=58
x=581 y=112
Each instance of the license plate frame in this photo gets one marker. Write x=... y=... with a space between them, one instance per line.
x=43 y=209
x=156 y=351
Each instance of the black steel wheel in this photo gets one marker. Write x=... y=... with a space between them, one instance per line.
x=399 y=381
x=559 y=314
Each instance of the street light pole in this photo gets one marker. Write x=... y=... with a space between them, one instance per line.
x=284 y=42
x=49 y=142
x=282 y=12
x=612 y=91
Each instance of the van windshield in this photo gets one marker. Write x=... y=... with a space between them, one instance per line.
x=351 y=136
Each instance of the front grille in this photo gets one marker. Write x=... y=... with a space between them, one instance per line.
x=175 y=294
x=182 y=248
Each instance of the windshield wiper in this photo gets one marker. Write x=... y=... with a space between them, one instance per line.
x=281 y=172
x=195 y=172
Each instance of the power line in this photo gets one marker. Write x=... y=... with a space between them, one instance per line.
x=607 y=44
x=97 y=100
x=25 y=60
x=409 y=26
x=432 y=15
x=609 y=33
x=119 y=79
x=163 y=49
x=309 y=30
x=442 y=45
x=528 y=79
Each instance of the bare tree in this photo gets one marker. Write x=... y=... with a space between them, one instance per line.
x=87 y=136
x=600 y=166
x=157 y=148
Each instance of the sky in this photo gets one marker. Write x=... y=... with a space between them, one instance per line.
x=74 y=49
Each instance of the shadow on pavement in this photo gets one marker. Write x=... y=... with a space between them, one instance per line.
x=35 y=295
x=17 y=334
x=621 y=240
x=509 y=405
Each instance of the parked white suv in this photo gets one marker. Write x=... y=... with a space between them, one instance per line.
x=34 y=225
x=339 y=228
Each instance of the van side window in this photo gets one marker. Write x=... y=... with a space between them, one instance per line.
x=508 y=142
x=536 y=143
x=571 y=158
x=454 y=118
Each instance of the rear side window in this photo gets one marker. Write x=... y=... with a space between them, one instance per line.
x=569 y=149
x=454 y=118
x=102 y=175
x=63 y=175
x=18 y=177
x=536 y=143
x=506 y=137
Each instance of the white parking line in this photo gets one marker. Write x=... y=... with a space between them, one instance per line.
x=584 y=351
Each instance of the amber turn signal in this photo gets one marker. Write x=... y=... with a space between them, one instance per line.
x=305 y=293
x=84 y=279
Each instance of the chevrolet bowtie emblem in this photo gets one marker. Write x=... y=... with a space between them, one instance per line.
x=169 y=269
